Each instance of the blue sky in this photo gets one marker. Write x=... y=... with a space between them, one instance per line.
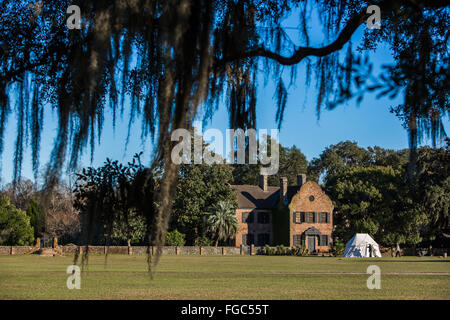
x=368 y=124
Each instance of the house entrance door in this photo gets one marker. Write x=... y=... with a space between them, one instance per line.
x=311 y=243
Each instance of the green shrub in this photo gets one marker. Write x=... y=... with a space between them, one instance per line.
x=281 y=250
x=298 y=251
x=175 y=238
x=15 y=227
x=295 y=251
x=304 y=251
x=135 y=229
x=338 y=248
x=203 y=241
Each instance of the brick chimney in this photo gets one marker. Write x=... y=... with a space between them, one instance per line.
x=301 y=179
x=263 y=182
x=283 y=188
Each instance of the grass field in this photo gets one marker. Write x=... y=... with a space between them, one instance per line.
x=225 y=277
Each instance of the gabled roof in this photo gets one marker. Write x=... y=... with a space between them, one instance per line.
x=253 y=197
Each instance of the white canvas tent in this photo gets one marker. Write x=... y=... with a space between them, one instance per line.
x=362 y=245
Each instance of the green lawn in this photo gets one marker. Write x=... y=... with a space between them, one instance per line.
x=225 y=277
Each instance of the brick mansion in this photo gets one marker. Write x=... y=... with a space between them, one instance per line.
x=288 y=215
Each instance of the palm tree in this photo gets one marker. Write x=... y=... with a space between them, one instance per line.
x=221 y=220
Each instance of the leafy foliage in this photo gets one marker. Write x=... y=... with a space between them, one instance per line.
x=55 y=208
x=37 y=217
x=432 y=187
x=291 y=163
x=348 y=154
x=379 y=200
x=221 y=221
x=173 y=57
x=15 y=228
x=336 y=157
x=132 y=233
x=374 y=200
x=199 y=187
x=203 y=241
x=175 y=238
x=117 y=200
x=338 y=247
x=281 y=250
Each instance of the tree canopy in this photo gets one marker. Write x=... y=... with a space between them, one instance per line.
x=200 y=186
x=347 y=154
x=292 y=162
x=37 y=217
x=373 y=200
x=374 y=197
x=114 y=199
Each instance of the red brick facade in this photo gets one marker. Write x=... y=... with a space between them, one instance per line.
x=310 y=214
x=258 y=226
